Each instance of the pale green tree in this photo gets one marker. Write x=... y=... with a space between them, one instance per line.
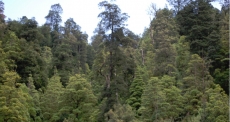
x=50 y=99
x=15 y=100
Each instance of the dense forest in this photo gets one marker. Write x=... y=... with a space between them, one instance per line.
x=176 y=71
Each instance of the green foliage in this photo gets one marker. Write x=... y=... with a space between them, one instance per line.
x=114 y=64
x=136 y=90
x=192 y=104
x=78 y=101
x=218 y=105
x=121 y=113
x=152 y=100
x=3 y=65
x=183 y=56
x=161 y=100
x=197 y=75
x=35 y=111
x=25 y=58
x=166 y=75
x=164 y=34
x=198 y=23
x=15 y=100
x=174 y=99
x=50 y=99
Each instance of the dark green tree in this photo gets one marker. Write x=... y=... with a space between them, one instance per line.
x=136 y=90
x=198 y=23
x=53 y=19
x=111 y=22
x=220 y=67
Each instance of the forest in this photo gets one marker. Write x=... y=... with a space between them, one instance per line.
x=176 y=71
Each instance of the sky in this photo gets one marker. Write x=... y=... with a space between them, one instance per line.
x=84 y=12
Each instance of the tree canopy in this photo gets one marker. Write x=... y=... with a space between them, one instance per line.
x=177 y=71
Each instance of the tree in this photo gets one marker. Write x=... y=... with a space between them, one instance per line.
x=218 y=105
x=197 y=74
x=71 y=27
x=29 y=30
x=174 y=99
x=50 y=99
x=198 y=23
x=53 y=19
x=25 y=55
x=2 y=16
x=121 y=113
x=3 y=65
x=90 y=56
x=14 y=100
x=198 y=80
x=164 y=35
x=192 y=104
x=220 y=69
x=136 y=90
x=78 y=101
x=153 y=101
x=178 y=4
x=111 y=19
x=35 y=111
x=183 y=57
x=112 y=69
x=47 y=57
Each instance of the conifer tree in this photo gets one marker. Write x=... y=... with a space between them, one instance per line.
x=136 y=90
x=117 y=67
x=174 y=99
x=197 y=74
x=35 y=111
x=198 y=23
x=217 y=106
x=50 y=99
x=53 y=19
x=164 y=35
x=152 y=101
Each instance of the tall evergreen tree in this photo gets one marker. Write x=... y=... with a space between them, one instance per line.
x=164 y=35
x=198 y=23
x=53 y=19
x=112 y=21
x=220 y=69
x=50 y=99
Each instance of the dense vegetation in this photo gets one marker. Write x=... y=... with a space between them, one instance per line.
x=177 y=71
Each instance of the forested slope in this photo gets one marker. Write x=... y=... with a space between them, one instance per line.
x=178 y=70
